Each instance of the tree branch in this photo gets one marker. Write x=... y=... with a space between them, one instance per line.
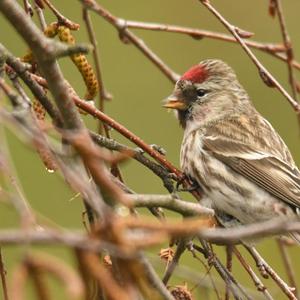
x=266 y=76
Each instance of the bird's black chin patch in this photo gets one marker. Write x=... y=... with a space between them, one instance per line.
x=183 y=116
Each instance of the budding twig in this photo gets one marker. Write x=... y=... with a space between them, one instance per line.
x=267 y=77
x=288 y=266
x=258 y=283
x=288 y=47
x=170 y=202
x=283 y=286
x=60 y=17
x=103 y=94
x=128 y=35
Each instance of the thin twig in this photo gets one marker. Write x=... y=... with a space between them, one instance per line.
x=20 y=203
x=206 y=266
x=254 y=231
x=60 y=17
x=266 y=76
x=282 y=285
x=229 y=268
x=102 y=95
x=137 y=155
x=288 y=47
x=181 y=247
x=127 y=35
x=258 y=283
x=36 y=89
x=288 y=266
x=41 y=16
x=235 y=288
x=154 y=280
x=273 y=49
x=3 y=277
x=84 y=105
x=28 y=8
x=200 y=33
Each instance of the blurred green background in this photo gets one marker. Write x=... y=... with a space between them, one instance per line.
x=138 y=88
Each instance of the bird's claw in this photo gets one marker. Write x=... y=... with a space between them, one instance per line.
x=194 y=185
x=173 y=176
x=139 y=150
x=159 y=149
x=191 y=188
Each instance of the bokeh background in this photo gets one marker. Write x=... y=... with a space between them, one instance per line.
x=138 y=87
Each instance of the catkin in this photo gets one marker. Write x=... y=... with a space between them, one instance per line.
x=81 y=63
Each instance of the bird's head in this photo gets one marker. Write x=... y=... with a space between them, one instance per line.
x=207 y=91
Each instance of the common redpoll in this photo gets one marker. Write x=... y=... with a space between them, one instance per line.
x=243 y=167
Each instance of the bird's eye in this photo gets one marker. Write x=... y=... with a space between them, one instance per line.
x=201 y=92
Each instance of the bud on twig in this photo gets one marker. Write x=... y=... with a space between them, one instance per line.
x=272 y=8
x=266 y=79
x=243 y=33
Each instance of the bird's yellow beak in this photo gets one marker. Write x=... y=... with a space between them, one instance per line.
x=174 y=103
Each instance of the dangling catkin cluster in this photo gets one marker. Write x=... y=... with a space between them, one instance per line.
x=39 y=110
x=84 y=68
x=44 y=153
x=79 y=59
x=81 y=62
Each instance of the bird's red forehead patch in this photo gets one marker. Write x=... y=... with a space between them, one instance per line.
x=195 y=74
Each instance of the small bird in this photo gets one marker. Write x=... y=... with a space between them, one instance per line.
x=244 y=169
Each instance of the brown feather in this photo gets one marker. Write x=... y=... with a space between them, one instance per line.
x=269 y=172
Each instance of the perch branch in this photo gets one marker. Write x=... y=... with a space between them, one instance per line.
x=170 y=202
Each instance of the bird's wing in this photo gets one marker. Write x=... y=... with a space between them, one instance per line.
x=279 y=178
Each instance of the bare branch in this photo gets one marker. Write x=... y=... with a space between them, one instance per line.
x=283 y=286
x=174 y=262
x=267 y=77
x=170 y=202
x=288 y=47
x=199 y=34
x=129 y=36
x=288 y=266
x=258 y=283
x=60 y=17
x=275 y=226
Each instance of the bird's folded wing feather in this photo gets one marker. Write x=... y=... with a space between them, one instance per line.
x=269 y=172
